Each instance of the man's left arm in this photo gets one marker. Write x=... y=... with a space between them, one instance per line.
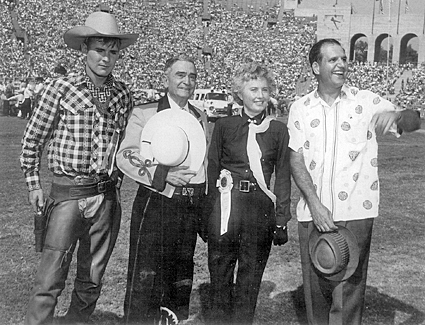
x=406 y=121
x=388 y=118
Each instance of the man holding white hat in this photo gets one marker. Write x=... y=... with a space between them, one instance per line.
x=164 y=149
x=81 y=119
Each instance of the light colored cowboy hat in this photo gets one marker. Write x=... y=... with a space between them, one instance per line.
x=98 y=24
x=174 y=137
x=335 y=255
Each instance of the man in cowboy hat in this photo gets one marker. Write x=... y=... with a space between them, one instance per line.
x=81 y=119
x=167 y=208
x=333 y=160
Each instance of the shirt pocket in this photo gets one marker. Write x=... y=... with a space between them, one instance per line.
x=355 y=128
x=75 y=115
x=73 y=107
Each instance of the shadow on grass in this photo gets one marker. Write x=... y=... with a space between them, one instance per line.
x=288 y=308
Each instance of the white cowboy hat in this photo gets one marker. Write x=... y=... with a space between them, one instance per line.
x=98 y=24
x=174 y=137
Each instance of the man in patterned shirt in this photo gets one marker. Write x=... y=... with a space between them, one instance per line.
x=334 y=163
x=80 y=119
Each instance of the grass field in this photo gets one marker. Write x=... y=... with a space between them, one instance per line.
x=396 y=284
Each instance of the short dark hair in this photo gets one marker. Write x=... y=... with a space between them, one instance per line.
x=180 y=57
x=112 y=41
x=315 y=54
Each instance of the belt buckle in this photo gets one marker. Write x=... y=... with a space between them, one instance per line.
x=79 y=179
x=244 y=186
x=188 y=191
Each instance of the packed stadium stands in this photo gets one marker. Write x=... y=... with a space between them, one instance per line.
x=229 y=37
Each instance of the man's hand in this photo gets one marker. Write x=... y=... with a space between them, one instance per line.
x=179 y=176
x=280 y=236
x=383 y=121
x=322 y=218
x=36 y=199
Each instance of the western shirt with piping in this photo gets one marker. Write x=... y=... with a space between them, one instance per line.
x=66 y=119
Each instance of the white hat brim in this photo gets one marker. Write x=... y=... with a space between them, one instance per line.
x=76 y=36
x=189 y=124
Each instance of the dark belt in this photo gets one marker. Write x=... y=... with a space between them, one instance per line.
x=190 y=190
x=80 y=187
x=245 y=186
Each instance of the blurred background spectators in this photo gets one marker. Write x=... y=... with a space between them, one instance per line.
x=218 y=38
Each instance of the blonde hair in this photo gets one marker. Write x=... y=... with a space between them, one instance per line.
x=250 y=71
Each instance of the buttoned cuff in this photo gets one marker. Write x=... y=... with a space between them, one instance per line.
x=33 y=181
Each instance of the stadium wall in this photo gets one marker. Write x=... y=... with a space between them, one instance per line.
x=344 y=25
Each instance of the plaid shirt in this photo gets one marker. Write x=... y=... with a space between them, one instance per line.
x=67 y=119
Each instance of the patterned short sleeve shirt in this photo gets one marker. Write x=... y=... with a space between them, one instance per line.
x=340 y=151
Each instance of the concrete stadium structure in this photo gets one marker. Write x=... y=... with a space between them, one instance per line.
x=400 y=21
x=381 y=23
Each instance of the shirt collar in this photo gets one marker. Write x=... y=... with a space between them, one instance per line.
x=174 y=105
x=83 y=79
x=314 y=99
x=109 y=82
x=258 y=118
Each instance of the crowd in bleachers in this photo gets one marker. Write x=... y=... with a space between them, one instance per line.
x=413 y=92
x=231 y=36
x=165 y=30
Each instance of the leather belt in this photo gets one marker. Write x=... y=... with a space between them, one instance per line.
x=79 y=187
x=190 y=190
x=245 y=186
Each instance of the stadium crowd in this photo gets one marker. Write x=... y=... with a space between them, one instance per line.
x=229 y=36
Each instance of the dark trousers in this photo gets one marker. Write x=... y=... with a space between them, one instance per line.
x=26 y=108
x=163 y=234
x=331 y=302
x=96 y=237
x=7 y=108
x=247 y=243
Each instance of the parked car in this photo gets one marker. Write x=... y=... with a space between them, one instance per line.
x=214 y=103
